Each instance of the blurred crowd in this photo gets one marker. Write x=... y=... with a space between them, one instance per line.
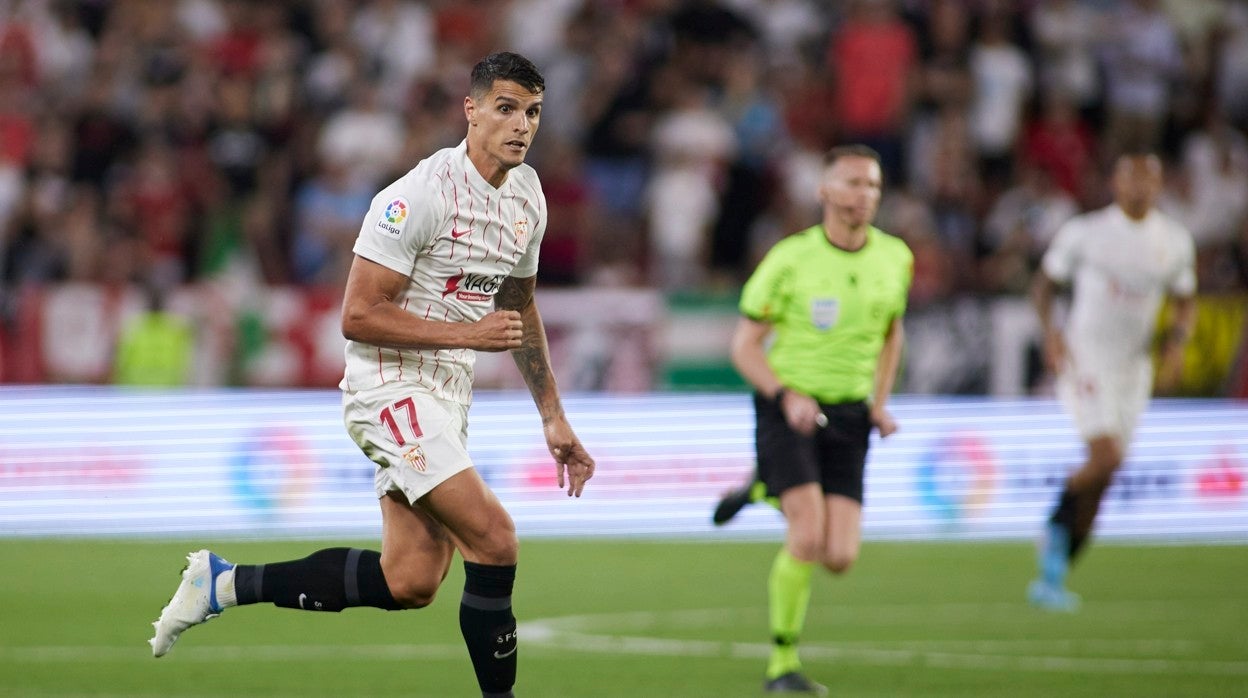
x=175 y=141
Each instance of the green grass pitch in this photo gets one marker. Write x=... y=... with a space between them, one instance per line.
x=647 y=619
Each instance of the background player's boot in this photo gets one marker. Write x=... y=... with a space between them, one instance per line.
x=794 y=682
x=194 y=602
x=736 y=499
x=1049 y=591
x=731 y=503
x=1051 y=598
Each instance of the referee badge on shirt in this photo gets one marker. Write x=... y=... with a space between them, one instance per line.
x=392 y=218
x=823 y=312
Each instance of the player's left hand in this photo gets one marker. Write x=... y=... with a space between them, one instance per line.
x=883 y=421
x=570 y=456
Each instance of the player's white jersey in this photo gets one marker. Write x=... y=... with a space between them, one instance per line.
x=457 y=238
x=1121 y=270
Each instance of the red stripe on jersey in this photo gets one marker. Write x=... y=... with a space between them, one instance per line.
x=501 y=229
x=455 y=221
x=421 y=355
x=437 y=361
x=524 y=203
x=400 y=351
x=381 y=374
x=487 y=227
x=473 y=224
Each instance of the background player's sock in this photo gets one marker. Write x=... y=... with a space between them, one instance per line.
x=1066 y=515
x=1056 y=552
x=488 y=626
x=1077 y=540
x=327 y=580
x=1067 y=507
x=788 y=593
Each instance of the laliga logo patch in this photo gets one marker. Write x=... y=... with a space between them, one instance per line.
x=393 y=217
x=415 y=457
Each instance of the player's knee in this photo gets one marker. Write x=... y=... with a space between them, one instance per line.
x=805 y=544
x=503 y=548
x=1105 y=456
x=414 y=592
x=839 y=561
x=413 y=581
x=496 y=546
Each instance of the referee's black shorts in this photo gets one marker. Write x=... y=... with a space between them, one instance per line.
x=834 y=456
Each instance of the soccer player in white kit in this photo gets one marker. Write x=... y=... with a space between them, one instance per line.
x=445 y=266
x=1122 y=261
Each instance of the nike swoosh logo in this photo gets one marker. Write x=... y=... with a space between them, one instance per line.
x=301 y=598
x=460 y=233
x=508 y=653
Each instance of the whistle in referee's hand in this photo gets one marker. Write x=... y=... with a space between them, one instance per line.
x=821 y=420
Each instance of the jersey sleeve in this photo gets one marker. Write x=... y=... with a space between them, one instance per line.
x=1183 y=284
x=1062 y=257
x=907 y=278
x=401 y=221
x=526 y=266
x=769 y=288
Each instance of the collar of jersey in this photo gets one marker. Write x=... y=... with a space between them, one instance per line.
x=475 y=180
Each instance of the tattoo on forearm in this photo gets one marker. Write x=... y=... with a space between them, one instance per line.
x=533 y=357
x=534 y=364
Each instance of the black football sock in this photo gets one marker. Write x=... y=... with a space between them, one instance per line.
x=1064 y=512
x=327 y=580
x=488 y=626
x=1077 y=540
x=1066 y=516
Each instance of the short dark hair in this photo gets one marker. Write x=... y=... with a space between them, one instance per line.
x=506 y=66
x=851 y=150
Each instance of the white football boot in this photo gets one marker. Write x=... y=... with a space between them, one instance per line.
x=194 y=602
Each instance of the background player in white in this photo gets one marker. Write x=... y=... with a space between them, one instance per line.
x=1122 y=261
x=440 y=249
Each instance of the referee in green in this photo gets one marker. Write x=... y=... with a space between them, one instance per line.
x=820 y=343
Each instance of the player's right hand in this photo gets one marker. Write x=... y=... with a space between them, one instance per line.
x=498 y=331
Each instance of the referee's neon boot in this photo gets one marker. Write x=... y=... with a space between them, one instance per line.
x=1049 y=591
x=194 y=602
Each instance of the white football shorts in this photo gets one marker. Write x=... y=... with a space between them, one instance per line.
x=416 y=440
x=1104 y=399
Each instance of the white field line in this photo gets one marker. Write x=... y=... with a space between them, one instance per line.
x=609 y=633
x=231 y=653
x=586 y=633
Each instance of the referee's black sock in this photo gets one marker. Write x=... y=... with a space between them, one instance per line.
x=327 y=580
x=488 y=626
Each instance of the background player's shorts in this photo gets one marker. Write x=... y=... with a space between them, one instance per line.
x=416 y=440
x=1105 y=400
x=835 y=457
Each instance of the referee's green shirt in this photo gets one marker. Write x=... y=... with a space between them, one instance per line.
x=830 y=309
